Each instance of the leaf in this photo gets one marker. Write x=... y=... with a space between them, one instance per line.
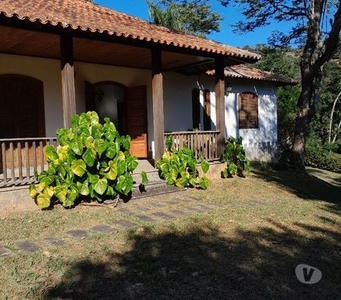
x=83 y=188
x=132 y=163
x=124 y=184
x=181 y=182
x=204 y=182
x=100 y=146
x=205 y=166
x=33 y=191
x=78 y=167
x=112 y=150
x=46 y=178
x=100 y=186
x=44 y=198
x=51 y=153
x=193 y=182
x=60 y=191
x=43 y=201
x=144 y=177
x=232 y=169
x=111 y=192
x=125 y=141
x=89 y=157
x=77 y=146
x=112 y=172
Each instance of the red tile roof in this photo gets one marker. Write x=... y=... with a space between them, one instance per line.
x=248 y=72
x=85 y=16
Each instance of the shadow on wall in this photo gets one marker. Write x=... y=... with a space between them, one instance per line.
x=205 y=263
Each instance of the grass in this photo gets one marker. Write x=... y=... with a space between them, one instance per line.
x=271 y=221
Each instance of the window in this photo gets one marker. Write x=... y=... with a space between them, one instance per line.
x=248 y=110
x=22 y=107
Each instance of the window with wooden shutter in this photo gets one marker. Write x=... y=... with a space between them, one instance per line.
x=248 y=110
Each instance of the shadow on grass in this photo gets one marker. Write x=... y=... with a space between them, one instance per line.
x=204 y=264
x=303 y=185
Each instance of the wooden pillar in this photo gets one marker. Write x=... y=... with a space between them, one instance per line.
x=68 y=79
x=220 y=102
x=157 y=99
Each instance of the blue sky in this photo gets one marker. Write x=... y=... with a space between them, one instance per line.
x=139 y=8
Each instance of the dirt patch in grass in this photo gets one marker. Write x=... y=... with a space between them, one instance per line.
x=260 y=228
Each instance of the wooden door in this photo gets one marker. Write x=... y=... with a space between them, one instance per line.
x=136 y=120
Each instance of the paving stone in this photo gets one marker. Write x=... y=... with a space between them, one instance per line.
x=125 y=223
x=173 y=202
x=145 y=218
x=156 y=204
x=27 y=246
x=204 y=208
x=178 y=212
x=143 y=208
x=125 y=211
x=163 y=216
x=54 y=241
x=4 y=252
x=199 y=209
x=103 y=228
x=77 y=234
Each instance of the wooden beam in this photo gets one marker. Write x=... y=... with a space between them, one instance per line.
x=68 y=79
x=157 y=99
x=220 y=102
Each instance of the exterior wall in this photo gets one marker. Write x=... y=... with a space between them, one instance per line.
x=261 y=143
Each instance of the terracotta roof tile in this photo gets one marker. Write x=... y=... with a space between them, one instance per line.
x=248 y=72
x=85 y=16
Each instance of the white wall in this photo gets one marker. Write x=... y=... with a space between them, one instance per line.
x=177 y=96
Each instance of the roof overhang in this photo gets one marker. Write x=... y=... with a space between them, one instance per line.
x=37 y=38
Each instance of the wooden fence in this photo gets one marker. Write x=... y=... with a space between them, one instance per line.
x=202 y=143
x=21 y=159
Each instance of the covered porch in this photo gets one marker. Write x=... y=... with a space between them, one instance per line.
x=83 y=34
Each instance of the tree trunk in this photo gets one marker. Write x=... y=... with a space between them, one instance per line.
x=306 y=110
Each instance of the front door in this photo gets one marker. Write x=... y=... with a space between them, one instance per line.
x=127 y=109
x=136 y=120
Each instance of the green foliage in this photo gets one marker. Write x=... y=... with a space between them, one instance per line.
x=194 y=17
x=234 y=156
x=179 y=168
x=92 y=160
x=320 y=155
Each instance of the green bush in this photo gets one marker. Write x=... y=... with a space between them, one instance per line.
x=92 y=160
x=319 y=156
x=180 y=168
x=234 y=156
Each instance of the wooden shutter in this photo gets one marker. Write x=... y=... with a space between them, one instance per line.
x=248 y=110
x=207 y=110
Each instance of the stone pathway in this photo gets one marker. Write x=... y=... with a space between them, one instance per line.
x=148 y=210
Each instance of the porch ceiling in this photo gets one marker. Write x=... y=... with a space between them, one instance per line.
x=47 y=45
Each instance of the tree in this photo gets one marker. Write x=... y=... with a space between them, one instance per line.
x=316 y=26
x=194 y=17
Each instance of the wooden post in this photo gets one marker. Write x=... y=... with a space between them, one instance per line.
x=220 y=102
x=157 y=99
x=68 y=79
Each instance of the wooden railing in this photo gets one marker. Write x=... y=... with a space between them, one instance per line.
x=202 y=143
x=21 y=159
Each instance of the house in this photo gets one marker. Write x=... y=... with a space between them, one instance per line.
x=59 y=58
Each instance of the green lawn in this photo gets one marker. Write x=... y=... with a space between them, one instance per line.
x=246 y=248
